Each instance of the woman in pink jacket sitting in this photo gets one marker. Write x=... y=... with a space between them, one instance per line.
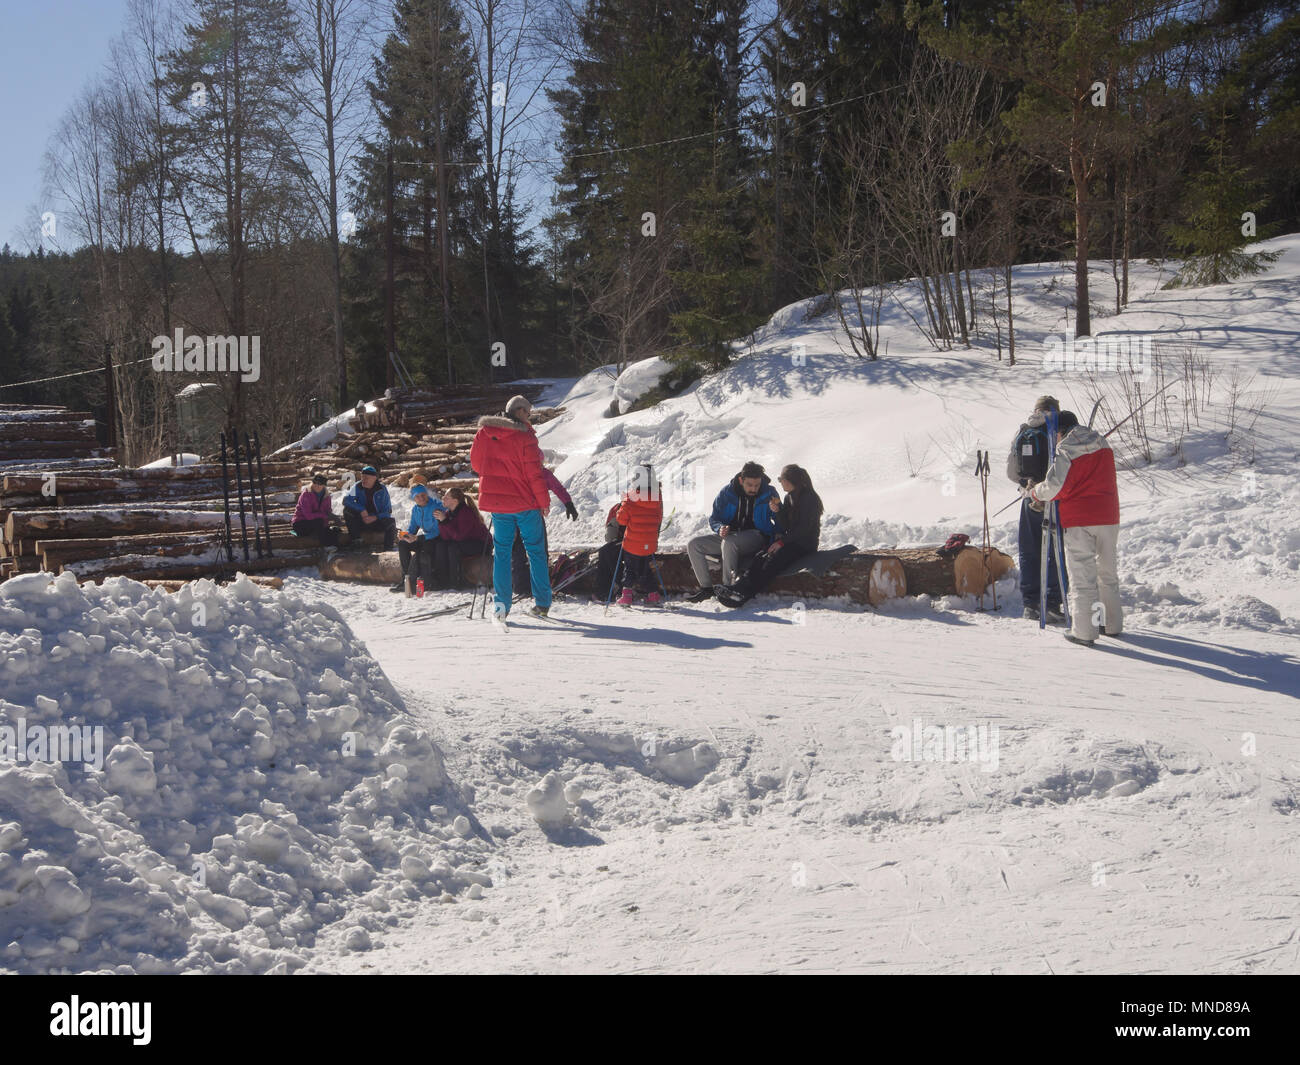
x=314 y=516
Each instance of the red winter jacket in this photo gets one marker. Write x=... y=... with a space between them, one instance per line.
x=508 y=462
x=1082 y=480
x=642 y=518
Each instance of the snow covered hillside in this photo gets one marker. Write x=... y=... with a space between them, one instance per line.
x=891 y=444
x=312 y=780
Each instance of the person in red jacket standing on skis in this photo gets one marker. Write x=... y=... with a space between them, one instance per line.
x=1082 y=481
x=512 y=488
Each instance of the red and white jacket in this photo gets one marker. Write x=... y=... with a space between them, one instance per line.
x=1082 y=480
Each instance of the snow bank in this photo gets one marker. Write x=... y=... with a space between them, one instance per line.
x=891 y=444
x=242 y=775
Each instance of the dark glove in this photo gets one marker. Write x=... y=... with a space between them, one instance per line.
x=571 y=510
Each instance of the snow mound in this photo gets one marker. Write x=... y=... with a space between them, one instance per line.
x=1100 y=769
x=236 y=773
x=638 y=379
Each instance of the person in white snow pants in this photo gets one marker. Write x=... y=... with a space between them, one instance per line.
x=1091 y=558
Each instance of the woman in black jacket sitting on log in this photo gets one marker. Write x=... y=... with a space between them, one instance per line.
x=800 y=519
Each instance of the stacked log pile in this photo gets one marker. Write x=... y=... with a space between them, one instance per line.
x=66 y=506
x=415 y=408
x=47 y=432
x=165 y=523
x=414 y=438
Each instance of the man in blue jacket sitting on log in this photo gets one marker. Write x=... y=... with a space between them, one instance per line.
x=367 y=506
x=743 y=524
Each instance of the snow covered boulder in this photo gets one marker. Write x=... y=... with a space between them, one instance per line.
x=638 y=379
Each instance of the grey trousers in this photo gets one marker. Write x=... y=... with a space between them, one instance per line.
x=734 y=551
x=1090 y=558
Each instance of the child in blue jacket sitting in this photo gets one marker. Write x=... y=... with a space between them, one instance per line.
x=421 y=531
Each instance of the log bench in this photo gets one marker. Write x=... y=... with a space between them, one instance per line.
x=867 y=577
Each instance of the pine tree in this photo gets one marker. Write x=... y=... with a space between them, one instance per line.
x=1214 y=237
x=655 y=184
x=423 y=93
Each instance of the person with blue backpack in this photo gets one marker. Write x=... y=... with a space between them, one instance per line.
x=1026 y=465
x=744 y=522
x=417 y=542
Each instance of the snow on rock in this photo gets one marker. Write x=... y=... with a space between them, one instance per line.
x=241 y=773
x=638 y=379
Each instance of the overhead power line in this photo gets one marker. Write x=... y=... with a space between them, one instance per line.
x=659 y=144
x=77 y=373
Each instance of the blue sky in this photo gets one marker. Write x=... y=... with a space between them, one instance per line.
x=49 y=50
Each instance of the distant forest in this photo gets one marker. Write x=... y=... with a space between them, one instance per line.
x=500 y=189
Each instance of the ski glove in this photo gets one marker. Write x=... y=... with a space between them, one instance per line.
x=571 y=510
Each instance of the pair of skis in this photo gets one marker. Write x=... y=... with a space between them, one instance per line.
x=1051 y=536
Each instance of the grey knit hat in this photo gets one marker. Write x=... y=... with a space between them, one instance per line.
x=516 y=402
x=1043 y=403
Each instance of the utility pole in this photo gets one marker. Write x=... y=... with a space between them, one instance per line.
x=390 y=328
x=112 y=396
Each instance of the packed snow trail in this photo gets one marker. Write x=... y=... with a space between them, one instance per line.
x=741 y=808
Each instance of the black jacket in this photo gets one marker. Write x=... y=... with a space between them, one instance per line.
x=801 y=520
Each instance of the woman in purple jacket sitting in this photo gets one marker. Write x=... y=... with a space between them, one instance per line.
x=314 y=516
x=461 y=534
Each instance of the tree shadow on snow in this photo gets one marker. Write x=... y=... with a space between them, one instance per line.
x=1260 y=670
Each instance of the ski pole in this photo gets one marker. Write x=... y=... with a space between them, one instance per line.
x=1095 y=407
x=1011 y=504
x=266 y=518
x=474 y=602
x=656 y=566
x=252 y=496
x=1138 y=408
x=225 y=492
x=1060 y=561
x=239 y=490
x=1045 y=546
x=613 y=582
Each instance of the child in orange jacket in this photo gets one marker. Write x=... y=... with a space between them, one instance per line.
x=638 y=516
